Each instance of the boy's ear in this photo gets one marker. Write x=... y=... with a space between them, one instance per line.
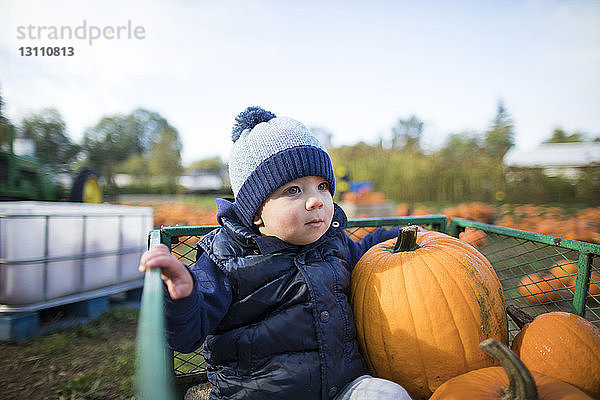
x=257 y=220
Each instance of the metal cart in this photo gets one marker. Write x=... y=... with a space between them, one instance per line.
x=515 y=255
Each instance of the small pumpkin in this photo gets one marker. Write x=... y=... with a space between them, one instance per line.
x=566 y=272
x=511 y=381
x=564 y=346
x=422 y=303
x=475 y=237
x=540 y=289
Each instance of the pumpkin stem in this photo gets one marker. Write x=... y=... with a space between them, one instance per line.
x=522 y=385
x=520 y=317
x=407 y=239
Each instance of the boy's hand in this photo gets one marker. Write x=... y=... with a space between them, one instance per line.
x=174 y=274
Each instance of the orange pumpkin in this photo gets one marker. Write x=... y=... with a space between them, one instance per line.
x=422 y=304
x=512 y=381
x=564 y=346
x=540 y=289
x=566 y=272
x=475 y=237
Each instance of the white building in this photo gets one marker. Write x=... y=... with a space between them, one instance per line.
x=23 y=144
x=201 y=181
x=556 y=159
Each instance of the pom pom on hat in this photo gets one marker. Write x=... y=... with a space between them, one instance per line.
x=248 y=119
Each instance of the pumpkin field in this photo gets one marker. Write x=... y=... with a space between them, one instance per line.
x=581 y=224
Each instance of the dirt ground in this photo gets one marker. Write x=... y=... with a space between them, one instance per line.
x=92 y=361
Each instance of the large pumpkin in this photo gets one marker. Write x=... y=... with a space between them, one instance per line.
x=511 y=381
x=564 y=346
x=422 y=304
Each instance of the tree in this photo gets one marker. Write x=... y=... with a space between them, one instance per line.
x=108 y=143
x=136 y=166
x=116 y=138
x=213 y=164
x=500 y=137
x=460 y=169
x=459 y=146
x=407 y=133
x=4 y=124
x=53 y=146
x=560 y=136
x=2 y=117
x=165 y=157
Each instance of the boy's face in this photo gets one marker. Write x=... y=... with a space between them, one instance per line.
x=298 y=212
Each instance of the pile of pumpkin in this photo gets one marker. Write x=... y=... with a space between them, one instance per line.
x=424 y=302
x=582 y=225
x=557 y=284
x=170 y=214
x=476 y=211
x=364 y=196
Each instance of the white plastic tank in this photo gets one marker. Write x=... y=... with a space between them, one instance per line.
x=49 y=250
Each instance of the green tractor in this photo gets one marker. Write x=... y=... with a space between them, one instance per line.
x=23 y=177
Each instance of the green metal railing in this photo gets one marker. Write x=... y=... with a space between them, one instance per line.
x=539 y=273
x=514 y=254
x=154 y=377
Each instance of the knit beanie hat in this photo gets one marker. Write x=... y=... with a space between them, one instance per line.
x=269 y=151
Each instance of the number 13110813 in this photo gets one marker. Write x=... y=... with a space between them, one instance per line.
x=47 y=51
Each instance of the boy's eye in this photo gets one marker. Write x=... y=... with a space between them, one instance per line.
x=293 y=190
x=324 y=186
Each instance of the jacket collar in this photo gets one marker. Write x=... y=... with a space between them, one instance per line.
x=228 y=218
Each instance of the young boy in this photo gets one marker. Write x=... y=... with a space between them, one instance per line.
x=269 y=291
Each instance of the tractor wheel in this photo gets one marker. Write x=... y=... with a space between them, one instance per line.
x=86 y=187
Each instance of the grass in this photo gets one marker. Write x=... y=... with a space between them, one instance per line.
x=207 y=201
x=188 y=362
x=91 y=361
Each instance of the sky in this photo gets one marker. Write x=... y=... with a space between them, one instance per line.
x=353 y=68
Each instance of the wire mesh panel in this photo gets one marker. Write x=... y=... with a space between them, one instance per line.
x=539 y=273
x=190 y=368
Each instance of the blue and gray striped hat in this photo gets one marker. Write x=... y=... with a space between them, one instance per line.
x=269 y=151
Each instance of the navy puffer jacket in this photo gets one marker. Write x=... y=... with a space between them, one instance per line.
x=289 y=331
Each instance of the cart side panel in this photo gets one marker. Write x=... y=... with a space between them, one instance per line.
x=539 y=273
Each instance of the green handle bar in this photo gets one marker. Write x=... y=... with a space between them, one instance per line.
x=154 y=378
